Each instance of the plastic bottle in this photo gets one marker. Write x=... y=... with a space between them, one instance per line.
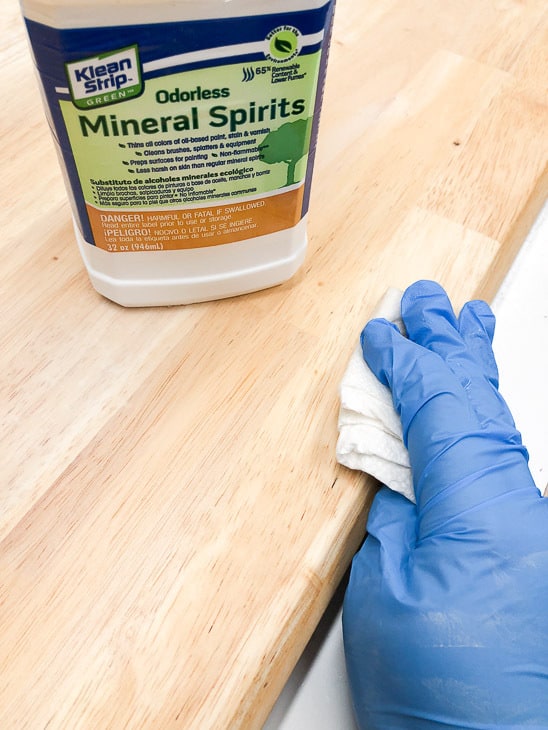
x=186 y=131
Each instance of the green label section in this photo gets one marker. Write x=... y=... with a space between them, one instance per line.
x=199 y=135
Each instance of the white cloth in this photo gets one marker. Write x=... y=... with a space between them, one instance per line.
x=370 y=434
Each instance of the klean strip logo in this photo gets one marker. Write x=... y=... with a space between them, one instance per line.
x=105 y=79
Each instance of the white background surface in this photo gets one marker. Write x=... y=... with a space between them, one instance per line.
x=316 y=696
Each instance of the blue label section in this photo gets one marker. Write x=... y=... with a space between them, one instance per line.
x=53 y=47
x=161 y=50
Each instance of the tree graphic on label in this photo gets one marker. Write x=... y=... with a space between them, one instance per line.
x=288 y=144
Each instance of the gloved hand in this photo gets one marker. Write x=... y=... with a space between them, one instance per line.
x=445 y=616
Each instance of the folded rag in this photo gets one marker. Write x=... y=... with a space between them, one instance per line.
x=370 y=434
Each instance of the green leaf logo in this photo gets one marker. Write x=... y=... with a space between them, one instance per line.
x=283 y=44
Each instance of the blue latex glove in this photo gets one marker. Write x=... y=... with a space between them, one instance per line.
x=446 y=614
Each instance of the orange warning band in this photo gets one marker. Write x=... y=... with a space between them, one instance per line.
x=157 y=230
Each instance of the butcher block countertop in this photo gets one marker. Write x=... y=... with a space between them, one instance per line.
x=173 y=521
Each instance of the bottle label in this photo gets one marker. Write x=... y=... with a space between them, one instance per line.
x=189 y=134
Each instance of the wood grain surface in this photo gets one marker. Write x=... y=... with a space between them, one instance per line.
x=172 y=518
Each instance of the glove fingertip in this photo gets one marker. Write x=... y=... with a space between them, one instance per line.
x=477 y=313
x=375 y=332
x=428 y=314
x=377 y=343
x=421 y=289
x=477 y=328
